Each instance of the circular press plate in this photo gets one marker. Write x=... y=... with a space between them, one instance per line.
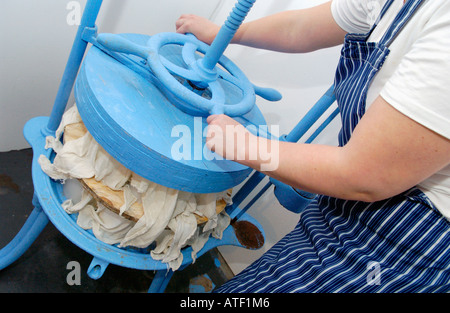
x=130 y=116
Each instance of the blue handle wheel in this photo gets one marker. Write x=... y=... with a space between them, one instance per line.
x=188 y=82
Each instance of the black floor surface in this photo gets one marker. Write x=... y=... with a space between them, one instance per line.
x=43 y=268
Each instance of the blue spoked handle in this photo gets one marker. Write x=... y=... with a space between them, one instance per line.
x=202 y=72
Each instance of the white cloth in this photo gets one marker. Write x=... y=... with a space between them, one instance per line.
x=415 y=77
x=169 y=215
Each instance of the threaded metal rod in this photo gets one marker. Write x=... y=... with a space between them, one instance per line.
x=226 y=33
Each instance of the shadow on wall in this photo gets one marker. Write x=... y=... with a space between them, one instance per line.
x=288 y=70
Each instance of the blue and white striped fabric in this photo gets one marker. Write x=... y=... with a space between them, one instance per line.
x=360 y=62
x=401 y=244
x=398 y=245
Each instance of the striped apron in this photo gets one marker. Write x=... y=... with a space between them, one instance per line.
x=401 y=244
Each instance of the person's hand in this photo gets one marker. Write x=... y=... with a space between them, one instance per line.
x=200 y=27
x=228 y=138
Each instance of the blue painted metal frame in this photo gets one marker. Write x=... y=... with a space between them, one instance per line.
x=49 y=194
x=38 y=219
x=201 y=73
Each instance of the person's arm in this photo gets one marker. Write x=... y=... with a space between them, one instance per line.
x=292 y=31
x=387 y=154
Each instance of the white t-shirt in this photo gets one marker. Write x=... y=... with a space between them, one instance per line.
x=415 y=78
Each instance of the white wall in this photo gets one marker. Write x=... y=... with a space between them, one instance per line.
x=35 y=40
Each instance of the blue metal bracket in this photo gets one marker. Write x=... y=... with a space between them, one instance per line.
x=97 y=268
x=73 y=64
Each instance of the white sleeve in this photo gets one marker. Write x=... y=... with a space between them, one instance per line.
x=420 y=86
x=356 y=16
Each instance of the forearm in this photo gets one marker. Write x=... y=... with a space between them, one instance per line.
x=293 y=31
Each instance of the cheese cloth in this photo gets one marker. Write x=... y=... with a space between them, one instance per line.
x=169 y=217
